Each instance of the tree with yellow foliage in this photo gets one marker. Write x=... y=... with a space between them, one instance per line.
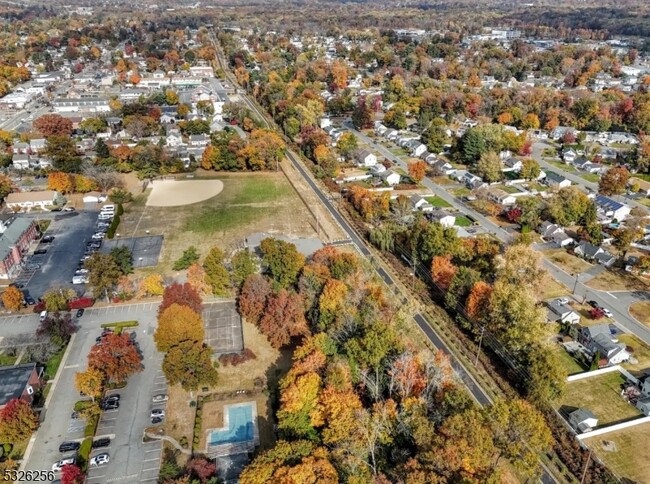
x=12 y=298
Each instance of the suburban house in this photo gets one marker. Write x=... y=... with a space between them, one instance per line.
x=199 y=140
x=501 y=197
x=365 y=158
x=583 y=420
x=174 y=139
x=598 y=339
x=556 y=180
x=546 y=229
x=611 y=209
x=37 y=145
x=416 y=147
x=562 y=313
x=15 y=239
x=642 y=185
x=473 y=181
x=20 y=382
x=376 y=169
x=569 y=156
x=562 y=239
x=442 y=216
x=582 y=163
x=512 y=164
x=441 y=167
x=419 y=203
x=592 y=252
x=390 y=177
x=21 y=161
x=31 y=199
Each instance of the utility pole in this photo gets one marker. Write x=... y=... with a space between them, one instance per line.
x=575 y=284
x=480 y=342
x=584 y=473
x=413 y=274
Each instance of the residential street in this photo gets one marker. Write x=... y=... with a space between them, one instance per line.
x=618 y=304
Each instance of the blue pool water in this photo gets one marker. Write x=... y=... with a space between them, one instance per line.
x=241 y=427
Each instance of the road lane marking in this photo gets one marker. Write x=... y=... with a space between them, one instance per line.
x=612 y=295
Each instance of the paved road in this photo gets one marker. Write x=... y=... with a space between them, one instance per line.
x=618 y=305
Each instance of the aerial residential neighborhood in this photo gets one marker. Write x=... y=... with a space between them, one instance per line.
x=320 y=242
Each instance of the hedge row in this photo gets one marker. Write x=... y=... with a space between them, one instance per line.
x=110 y=233
x=84 y=454
x=121 y=324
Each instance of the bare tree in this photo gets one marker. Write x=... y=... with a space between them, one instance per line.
x=105 y=176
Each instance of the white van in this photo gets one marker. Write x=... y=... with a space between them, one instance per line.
x=42 y=316
x=108 y=208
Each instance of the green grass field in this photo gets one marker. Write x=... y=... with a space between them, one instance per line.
x=462 y=221
x=591 y=177
x=601 y=395
x=437 y=202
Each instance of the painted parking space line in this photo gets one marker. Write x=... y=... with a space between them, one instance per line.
x=149 y=479
x=151 y=460
x=152 y=450
x=151 y=469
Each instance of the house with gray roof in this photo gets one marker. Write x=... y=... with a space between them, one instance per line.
x=583 y=420
x=19 y=382
x=559 y=312
x=598 y=339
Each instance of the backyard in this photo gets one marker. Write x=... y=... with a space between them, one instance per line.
x=626 y=452
x=601 y=395
x=249 y=202
x=569 y=263
x=437 y=202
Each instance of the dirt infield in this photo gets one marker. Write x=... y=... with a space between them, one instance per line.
x=172 y=193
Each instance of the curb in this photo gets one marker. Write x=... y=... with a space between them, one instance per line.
x=59 y=370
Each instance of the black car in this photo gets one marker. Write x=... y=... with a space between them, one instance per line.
x=69 y=446
x=80 y=312
x=99 y=443
x=593 y=304
x=47 y=239
x=40 y=251
x=156 y=420
x=112 y=398
x=57 y=209
x=17 y=285
x=29 y=300
x=114 y=405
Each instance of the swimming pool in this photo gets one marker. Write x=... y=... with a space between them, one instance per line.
x=239 y=425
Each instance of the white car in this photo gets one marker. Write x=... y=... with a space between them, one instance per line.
x=157 y=413
x=563 y=300
x=607 y=313
x=57 y=466
x=68 y=209
x=160 y=398
x=98 y=236
x=99 y=460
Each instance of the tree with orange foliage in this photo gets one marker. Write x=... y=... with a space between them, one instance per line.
x=330 y=301
x=84 y=184
x=178 y=323
x=135 y=78
x=443 y=271
x=13 y=298
x=417 y=170
x=478 y=301
x=60 y=182
x=196 y=277
x=283 y=318
x=505 y=118
x=117 y=356
x=53 y=125
x=183 y=294
x=407 y=376
x=253 y=296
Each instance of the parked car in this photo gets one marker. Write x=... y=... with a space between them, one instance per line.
x=156 y=420
x=42 y=316
x=160 y=398
x=68 y=209
x=69 y=446
x=607 y=313
x=57 y=466
x=47 y=239
x=563 y=300
x=40 y=251
x=29 y=300
x=56 y=209
x=593 y=304
x=97 y=236
x=80 y=312
x=112 y=398
x=99 y=443
x=157 y=412
x=99 y=460
x=113 y=405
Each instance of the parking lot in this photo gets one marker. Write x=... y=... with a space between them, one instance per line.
x=131 y=459
x=55 y=268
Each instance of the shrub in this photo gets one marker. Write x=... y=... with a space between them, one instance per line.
x=84 y=453
x=120 y=324
x=183 y=442
x=120 y=209
x=234 y=359
x=81 y=303
x=110 y=233
x=91 y=426
x=39 y=307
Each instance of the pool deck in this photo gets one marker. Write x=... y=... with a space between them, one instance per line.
x=224 y=449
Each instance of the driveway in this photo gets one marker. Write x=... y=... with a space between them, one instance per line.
x=71 y=231
x=131 y=459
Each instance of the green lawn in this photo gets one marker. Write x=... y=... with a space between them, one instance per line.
x=237 y=204
x=53 y=364
x=462 y=192
x=537 y=186
x=6 y=360
x=561 y=166
x=437 y=202
x=463 y=221
x=568 y=362
x=591 y=177
x=507 y=188
x=601 y=395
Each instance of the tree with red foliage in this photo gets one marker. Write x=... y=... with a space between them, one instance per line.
x=53 y=125
x=443 y=270
x=201 y=468
x=526 y=149
x=417 y=170
x=283 y=318
x=596 y=313
x=569 y=138
x=253 y=296
x=71 y=474
x=183 y=294
x=17 y=421
x=513 y=214
x=117 y=356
